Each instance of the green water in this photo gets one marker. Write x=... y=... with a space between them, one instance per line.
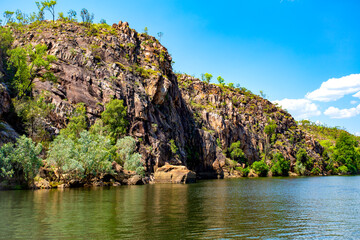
x=263 y=208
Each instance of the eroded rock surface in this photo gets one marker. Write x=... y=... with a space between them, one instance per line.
x=174 y=174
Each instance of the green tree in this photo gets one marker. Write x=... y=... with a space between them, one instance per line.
x=126 y=151
x=206 y=77
x=26 y=71
x=20 y=161
x=235 y=152
x=72 y=15
x=86 y=157
x=34 y=113
x=281 y=166
x=220 y=80
x=261 y=168
x=345 y=152
x=77 y=123
x=114 y=118
x=20 y=17
x=303 y=158
x=6 y=39
x=8 y=17
x=87 y=18
x=40 y=16
x=49 y=5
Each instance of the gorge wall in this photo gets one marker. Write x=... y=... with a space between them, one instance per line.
x=99 y=63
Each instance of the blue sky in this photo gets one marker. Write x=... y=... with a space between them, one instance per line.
x=288 y=49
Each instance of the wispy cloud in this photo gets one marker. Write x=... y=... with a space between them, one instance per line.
x=334 y=112
x=300 y=108
x=336 y=88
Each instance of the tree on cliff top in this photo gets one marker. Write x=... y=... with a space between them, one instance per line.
x=50 y=6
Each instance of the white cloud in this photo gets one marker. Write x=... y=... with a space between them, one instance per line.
x=299 y=108
x=353 y=102
x=357 y=134
x=334 y=112
x=357 y=95
x=336 y=88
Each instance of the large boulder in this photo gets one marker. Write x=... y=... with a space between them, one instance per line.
x=174 y=174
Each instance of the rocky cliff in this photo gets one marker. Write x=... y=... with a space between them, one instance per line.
x=98 y=63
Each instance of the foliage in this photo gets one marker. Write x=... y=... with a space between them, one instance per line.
x=27 y=71
x=89 y=155
x=126 y=151
x=261 y=168
x=173 y=146
x=146 y=31
x=220 y=80
x=281 y=166
x=300 y=168
x=40 y=16
x=102 y=21
x=343 y=170
x=114 y=118
x=72 y=15
x=77 y=123
x=20 y=161
x=270 y=128
x=316 y=171
x=49 y=5
x=345 y=153
x=34 y=113
x=206 y=77
x=303 y=158
x=8 y=17
x=235 y=152
x=6 y=39
x=87 y=18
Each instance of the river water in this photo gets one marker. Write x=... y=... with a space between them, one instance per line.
x=259 y=208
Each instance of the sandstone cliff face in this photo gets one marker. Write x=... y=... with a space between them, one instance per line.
x=97 y=64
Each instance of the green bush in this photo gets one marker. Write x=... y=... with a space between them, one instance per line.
x=300 y=168
x=281 y=166
x=114 y=118
x=260 y=168
x=343 y=170
x=20 y=161
x=302 y=157
x=235 y=152
x=315 y=171
x=88 y=156
x=126 y=153
x=77 y=123
x=173 y=146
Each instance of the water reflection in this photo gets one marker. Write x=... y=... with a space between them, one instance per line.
x=262 y=208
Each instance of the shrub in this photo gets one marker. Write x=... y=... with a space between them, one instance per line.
x=244 y=171
x=20 y=161
x=300 y=168
x=281 y=166
x=173 y=146
x=235 y=152
x=77 y=123
x=343 y=170
x=88 y=156
x=315 y=171
x=114 y=118
x=126 y=155
x=260 y=168
x=302 y=157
